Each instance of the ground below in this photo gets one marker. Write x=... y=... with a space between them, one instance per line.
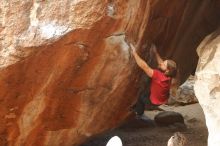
x=147 y=133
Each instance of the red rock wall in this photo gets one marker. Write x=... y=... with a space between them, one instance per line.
x=73 y=86
x=66 y=72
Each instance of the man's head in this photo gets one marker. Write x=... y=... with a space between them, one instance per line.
x=168 y=67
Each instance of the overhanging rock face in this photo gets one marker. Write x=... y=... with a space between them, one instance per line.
x=65 y=70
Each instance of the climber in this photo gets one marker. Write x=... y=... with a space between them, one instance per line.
x=160 y=81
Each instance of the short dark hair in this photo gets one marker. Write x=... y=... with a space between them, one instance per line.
x=172 y=68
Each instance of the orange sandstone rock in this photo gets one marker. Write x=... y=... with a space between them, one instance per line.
x=65 y=68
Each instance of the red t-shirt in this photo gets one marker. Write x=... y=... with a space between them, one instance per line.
x=160 y=87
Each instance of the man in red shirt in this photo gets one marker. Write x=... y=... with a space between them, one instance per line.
x=160 y=80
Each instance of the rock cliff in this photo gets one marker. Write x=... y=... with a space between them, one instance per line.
x=207 y=85
x=66 y=73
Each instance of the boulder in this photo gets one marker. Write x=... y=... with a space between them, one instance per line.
x=207 y=84
x=66 y=73
x=178 y=139
x=184 y=94
x=167 y=118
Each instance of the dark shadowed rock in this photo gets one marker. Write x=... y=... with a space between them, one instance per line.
x=168 y=118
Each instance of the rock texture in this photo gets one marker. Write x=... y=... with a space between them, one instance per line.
x=207 y=85
x=65 y=69
x=178 y=139
x=184 y=94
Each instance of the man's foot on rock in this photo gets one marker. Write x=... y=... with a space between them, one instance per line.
x=138 y=117
x=152 y=107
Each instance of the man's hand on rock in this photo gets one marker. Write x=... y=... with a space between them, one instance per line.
x=132 y=48
x=154 y=48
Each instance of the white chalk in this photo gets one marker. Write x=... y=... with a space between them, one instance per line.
x=110 y=10
x=51 y=29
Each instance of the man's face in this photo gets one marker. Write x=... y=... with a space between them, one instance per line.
x=163 y=65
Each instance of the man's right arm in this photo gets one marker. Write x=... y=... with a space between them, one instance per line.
x=158 y=57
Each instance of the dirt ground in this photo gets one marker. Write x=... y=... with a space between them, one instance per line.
x=147 y=133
